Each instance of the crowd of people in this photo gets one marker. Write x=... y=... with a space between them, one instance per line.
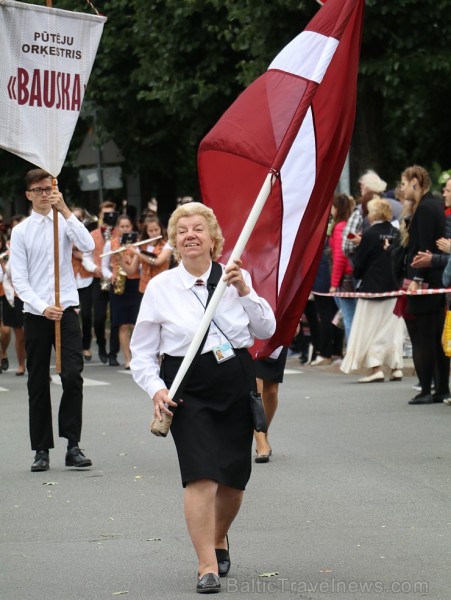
x=130 y=280
x=365 y=240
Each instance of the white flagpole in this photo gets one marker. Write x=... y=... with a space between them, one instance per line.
x=221 y=287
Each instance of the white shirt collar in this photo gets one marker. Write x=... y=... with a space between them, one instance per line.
x=39 y=217
x=189 y=280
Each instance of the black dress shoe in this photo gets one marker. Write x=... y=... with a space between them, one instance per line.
x=421 y=399
x=103 y=356
x=76 y=458
x=223 y=558
x=208 y=584
x=5 y=364
x=41 y=461
x=440 y=397
x=263 y=458
x=112 y=361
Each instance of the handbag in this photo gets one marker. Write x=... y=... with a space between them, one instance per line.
x=161 y=428
x=258 y=412
x=346 y=284
x=446 y=335
x=256 y=402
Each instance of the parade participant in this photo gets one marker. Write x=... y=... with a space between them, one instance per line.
x=32 y=270
x=107 y=216
x=12 y=306
x=269 y=372
x=213 y=427
x=125 y=297
x=151 y=259
x=5 y=330
x=83 y=280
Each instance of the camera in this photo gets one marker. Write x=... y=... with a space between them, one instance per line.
x=129 y=238
x=110 y=218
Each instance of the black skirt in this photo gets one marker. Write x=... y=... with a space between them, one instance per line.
x=12 y=316
x=272 y=369
x=212 y=428
x=125 y=307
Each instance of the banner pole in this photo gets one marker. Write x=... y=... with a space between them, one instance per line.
x=56 y=269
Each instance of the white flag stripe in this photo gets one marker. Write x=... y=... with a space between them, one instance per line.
x=307 y=56
x=297 y=178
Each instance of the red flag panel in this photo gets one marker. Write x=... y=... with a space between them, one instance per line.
x=295 y=120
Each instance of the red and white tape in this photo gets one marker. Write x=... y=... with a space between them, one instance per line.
x=394 y=294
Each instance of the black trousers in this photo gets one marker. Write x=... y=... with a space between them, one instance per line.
x=425 y=332
x=85 y=296
x=100 y=301
x=331 y=338
x=39 y=339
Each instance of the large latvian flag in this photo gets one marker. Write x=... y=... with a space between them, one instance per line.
x=295 y=120
x=46 y=59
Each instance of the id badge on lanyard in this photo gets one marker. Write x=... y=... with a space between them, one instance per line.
x=223 y=352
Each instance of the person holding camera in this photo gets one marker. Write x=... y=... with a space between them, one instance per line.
x=212 y=427
x=125 y=297
x=377 y=334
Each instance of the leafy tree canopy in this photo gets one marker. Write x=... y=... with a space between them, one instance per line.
x=167 y=69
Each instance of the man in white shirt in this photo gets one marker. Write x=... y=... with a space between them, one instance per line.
x=32 y=270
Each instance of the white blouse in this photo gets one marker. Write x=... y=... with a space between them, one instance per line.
x=171 y=310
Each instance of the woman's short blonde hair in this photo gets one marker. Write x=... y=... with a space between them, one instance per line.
x=380 y=209
x=188 y=210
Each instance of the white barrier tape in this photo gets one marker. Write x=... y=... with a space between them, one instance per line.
x=428 y=292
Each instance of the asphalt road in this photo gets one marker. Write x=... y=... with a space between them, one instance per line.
x=355 y=502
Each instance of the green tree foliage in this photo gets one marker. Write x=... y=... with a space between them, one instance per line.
x=167 y=69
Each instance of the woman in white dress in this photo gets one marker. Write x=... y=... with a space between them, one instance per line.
x=376 y=337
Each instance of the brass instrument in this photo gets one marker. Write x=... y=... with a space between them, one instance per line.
x=105 y=284
x=89 y=220
x=119 y=284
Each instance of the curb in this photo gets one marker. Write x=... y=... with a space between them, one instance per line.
x=293 y=363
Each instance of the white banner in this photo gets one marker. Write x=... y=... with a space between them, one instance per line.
x=46 y=59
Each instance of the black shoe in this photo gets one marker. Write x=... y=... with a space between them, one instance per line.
x=421 y=399
x=103 y=356
x=440 y=397
x=41 y=461
x=223 y=558
x=208 y=584
x=5 y=364
x=112 y=361
x=263 y=458
x=76 y=458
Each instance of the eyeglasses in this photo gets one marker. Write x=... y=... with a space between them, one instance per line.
x=40 y=191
